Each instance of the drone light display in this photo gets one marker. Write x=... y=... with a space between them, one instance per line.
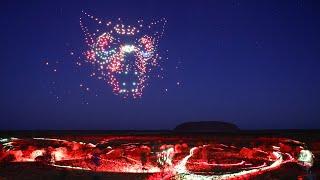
x=122 y=55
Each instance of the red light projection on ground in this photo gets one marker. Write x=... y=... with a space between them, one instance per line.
x=162 y=157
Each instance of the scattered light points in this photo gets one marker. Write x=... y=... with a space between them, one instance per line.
x=174 y=157
x=109 y=50
x=128 y=48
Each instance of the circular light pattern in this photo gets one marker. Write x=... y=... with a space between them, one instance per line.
x=124 y=55
x=161 y=157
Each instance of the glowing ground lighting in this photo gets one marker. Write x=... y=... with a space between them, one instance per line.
x=123 y=55
x=174 y=158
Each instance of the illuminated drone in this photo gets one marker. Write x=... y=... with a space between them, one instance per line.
x=123 y=55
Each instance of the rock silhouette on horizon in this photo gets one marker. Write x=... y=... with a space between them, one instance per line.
x=206 y=126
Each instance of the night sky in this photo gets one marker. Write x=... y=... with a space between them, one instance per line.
x=252 y=63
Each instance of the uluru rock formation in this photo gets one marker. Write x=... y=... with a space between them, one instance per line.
x=206 y=126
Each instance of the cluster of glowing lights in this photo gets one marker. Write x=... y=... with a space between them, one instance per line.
x=169 y=161
x=123 y=55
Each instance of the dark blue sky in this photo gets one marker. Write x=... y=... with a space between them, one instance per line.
x=253 y=63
